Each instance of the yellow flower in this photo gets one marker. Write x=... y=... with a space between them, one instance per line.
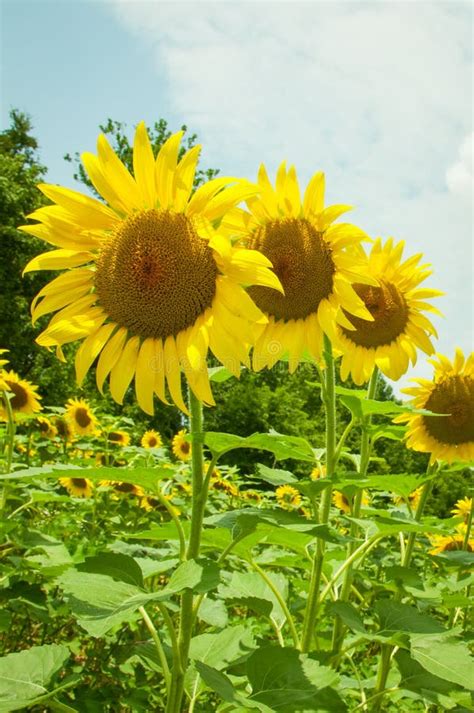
x=342 y=502
x=225 y=486
x=288 y=497
x=46 y=428
x=413 y=498
x=450 y=543
x=124 y=489
x=3 y=383
x=25 y=400
x=309 y=256
x=181 y=448
x=80 y=416
x=318 y=472
x=462 y=508
x=398 y=327
x=80 y=487
x=449 y=437
x=151 y=284
x=252 y=496
x=118 y=438
x=63 y=429
x=149 y=503
x=151 y=439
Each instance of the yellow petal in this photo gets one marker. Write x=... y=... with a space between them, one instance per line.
x=165 y=168
x=173 y=372
x=109 y=356
x=144 y=166
x=184 y=178
x=58 y=260
x=86 y=211
x=123 y=371
x=145 y=376
x=313 y=201
x=90 y=349
x=101 y=184
x=117 y=175
x=52 y=303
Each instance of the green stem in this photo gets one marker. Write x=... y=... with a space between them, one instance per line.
x=365 y=448
x=180 y=662
x=280 y=600
x=387 y=649
x=159 y=648
x=311 y=611
x=10 y=442
x=172 y=513
x=362 y=551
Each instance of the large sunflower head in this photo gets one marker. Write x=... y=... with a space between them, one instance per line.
x=450 y=543
x=22 y=395
x=151 y=439
x=398 y=328
x=150 y=284
x=81 y=418
x=288 y=497
x=309 y=256
x=448 y=437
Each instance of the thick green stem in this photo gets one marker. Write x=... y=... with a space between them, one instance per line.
x=180 y=662
x=311 y=611
x=365 y=448
x=387 y=649
x=10 y=442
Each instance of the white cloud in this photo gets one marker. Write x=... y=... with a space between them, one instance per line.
x=459 y=176
x=377 y=94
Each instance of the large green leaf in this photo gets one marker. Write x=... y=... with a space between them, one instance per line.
x=281 y=446
x=115 y=565
x=447 y=658
x=430 y=688
x=396 y=617
x=286 y=680
x=275 y=476
x=221 y=649
x=25 y=676
x=223 y=686
x=349 y=615
x=146 y=477
x=200 y=576
x=250 y=589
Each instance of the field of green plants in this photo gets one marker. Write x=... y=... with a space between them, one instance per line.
x=243 y=518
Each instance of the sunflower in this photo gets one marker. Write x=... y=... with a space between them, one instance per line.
x=151 y=439
x=318 y=472
x=413 y=498
x=63 y=429
x=182 y=449
x=46 y=428
x=3 y=383
x=80 y=487
x=225 y=486
x=151 y=284
x=398 y=327
x=450 y=543
x=462 y=508
x=149 y=503
x=25 y=400
x=309 y=256
x=449 y=437
x=252 y=496
x=342 y=502
x=80 y=416
x=118 y=438
x=288 y=497
x=124 y=489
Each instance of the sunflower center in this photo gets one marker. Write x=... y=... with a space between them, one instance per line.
x=303 y=262
x=82 y=416
x=453 y=395
x=389 y=310
x=79 y=483
x=152 y=441
x=155 y=276
x=124 y=487
x=185 y=447
x=20 y=395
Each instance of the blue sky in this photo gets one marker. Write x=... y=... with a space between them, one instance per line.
x=377 y=94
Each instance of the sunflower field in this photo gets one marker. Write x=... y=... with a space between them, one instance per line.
x=211 y=500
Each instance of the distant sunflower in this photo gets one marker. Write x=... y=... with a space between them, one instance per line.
x=79 y=487
x=462 y=508
x=181 y=448
x=342 y=502
x=124 y=489
x=151 y=285
x=151 y=439
x=413 y=498
x=449 y=437
x=150 y=503
x=118 y=438
x=309 y=256
x=25 y=400
x=225 y=486
x=46 y=427
x=252 y=496
x=288 y=497
x=3 y=383
x=63 y=429
x=398 y=327
x=80 y=416
x=318 y=472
